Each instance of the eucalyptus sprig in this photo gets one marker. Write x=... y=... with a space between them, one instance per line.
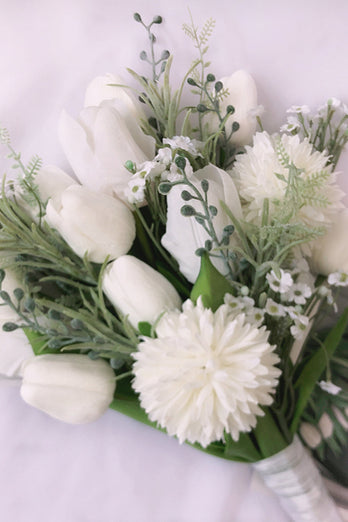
x=214 y=246
x=218 y=147
x=89 y=328
x=152 y=39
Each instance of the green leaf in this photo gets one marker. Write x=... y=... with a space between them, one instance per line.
x=314 y=368
x=210 y=284
x=268 y=436
x=38 y=342
x=145 y=328
x=244 y=450
x=126 y=402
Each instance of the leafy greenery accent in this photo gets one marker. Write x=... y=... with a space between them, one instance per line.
x=326 y=130
x=26 y=179
x=312 y=371
x=59 y=294
x=210 y=285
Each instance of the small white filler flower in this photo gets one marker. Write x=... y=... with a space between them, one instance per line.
x=205 y=373
x=281 y=283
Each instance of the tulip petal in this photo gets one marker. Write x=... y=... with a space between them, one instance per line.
x=138 y=291
x=78 y=148
x=98 y=146
x=71 y=388
x=51 y=180
x=92 y=223
x=15 y=349
x=329 y=253
x=243 y=97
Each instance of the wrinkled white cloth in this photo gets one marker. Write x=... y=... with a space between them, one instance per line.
x=116 y=470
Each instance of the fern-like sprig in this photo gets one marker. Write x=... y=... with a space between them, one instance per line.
x=29 y=191
x=300 y=190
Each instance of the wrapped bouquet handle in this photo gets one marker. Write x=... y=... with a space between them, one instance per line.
x=293 y=476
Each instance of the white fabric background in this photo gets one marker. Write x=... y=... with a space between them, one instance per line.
x=116 y=470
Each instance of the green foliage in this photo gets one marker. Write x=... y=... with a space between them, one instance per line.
x=326 y=130
x=269 y=436
x=60 y=296
x=28 y=190
x=300 y=190
x=154 y=63
x=321 y=402
x=311 y=372
x=244 y=450
x=210 y=285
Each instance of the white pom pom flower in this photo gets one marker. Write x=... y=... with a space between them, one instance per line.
x=205 y=373
x=255 y=175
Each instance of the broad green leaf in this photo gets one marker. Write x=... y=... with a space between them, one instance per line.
x=243 y=450
x=126 y=401
x=210 y=284
x=145 y=328
x=268 y=436
x=314 y=368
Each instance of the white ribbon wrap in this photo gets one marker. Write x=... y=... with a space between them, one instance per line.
x=293 y=476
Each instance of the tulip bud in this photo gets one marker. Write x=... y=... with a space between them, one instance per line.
x=71 y=388
x=92 y=223
x=138 y=291
x=330 y=252
x=242 y=98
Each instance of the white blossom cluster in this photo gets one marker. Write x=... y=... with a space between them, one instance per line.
x=293 y=293
x=162 y=166
x=301 y=116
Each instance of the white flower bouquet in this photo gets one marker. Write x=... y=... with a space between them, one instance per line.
x=182 y=277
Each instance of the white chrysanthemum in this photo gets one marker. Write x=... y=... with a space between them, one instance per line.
x=205 y=373
x=255 y=174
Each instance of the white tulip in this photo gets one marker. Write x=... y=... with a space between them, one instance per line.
x=243 y=97
x=138 y=291
x=108 y=87
x=183 y=234
x=101 y=141
x=71 y=388
x=330 y=252
x=51 y=181
x=92 y=223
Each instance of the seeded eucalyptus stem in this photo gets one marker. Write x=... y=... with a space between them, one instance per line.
x=152 y=38
x=204 y=219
